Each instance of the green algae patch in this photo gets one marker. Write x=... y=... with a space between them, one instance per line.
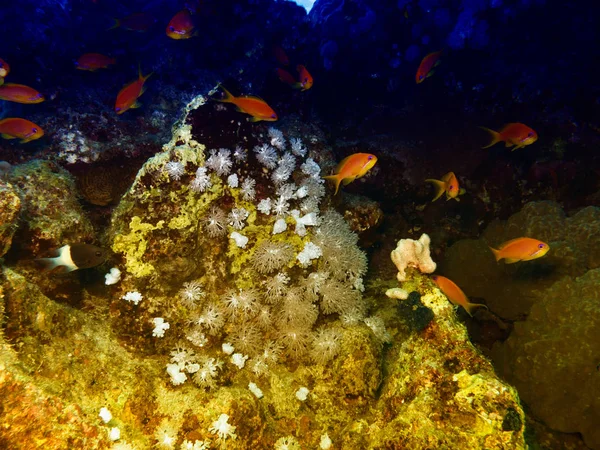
x=133 y=246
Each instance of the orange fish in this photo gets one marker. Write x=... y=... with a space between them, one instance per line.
x=351 y=168
x=139 y=22
x=455 y=294
x=280 y=55
x=20 y=93
x=286 y=77
x=306 y=79
x=128 y=96
x=449 y=185
x=4 y=70
x=520 y=249
x=13 y=128
x=425 y=69
x=513 y=134
x=254 y=106
x=94 y=61
x=181 y=26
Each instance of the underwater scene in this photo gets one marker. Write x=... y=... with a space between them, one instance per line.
x=322 y=224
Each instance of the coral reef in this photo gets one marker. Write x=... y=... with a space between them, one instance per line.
x=557 y=383
x=554 y=299
x=10 y=205
x=274 y=332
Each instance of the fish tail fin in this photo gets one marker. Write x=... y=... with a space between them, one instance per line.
x=440 y=188
x=470 y=307
x=47 y=264
x=495 y=137
x=141 y=76
x=116 y=24
x=496 y=254
x=336 y=179
x=227 y=96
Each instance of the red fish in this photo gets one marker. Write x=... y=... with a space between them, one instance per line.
x=425 y=69
x=94 y=61
x=286 y=77
x=254 y=106
x=20 y=93
x=280 y=55
x=128 y=96
x=513 y=134
x=449 y=185
x=306 y=79
x=181 y=26
x=455 y=294
x=351 y=168
x=16 y=128
x=139 y=22
x=520 y=249
x=4 y=70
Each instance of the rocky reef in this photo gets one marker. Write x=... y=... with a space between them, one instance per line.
x=553 y=304
x=241 y=318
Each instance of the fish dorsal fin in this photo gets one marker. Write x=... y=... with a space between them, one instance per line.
x=509 y=243
x=253 y=97
x=342 y=163
x=447 y=177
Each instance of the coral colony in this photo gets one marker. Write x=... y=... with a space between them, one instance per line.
x=306 y=265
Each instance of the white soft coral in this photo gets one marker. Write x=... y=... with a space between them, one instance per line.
x=222 y=429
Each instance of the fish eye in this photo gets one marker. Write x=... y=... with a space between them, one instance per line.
x=273 y=116
x=34 y=130
x=172 y=28
x=98 y=253
x=371 y=157
x=434 y=278
x=451 y=186
x=420 y=77
x=305 y=80
x=541 y=245
x=117 y=109
x=530 y=134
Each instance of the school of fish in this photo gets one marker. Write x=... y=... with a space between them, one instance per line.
x=181 y=27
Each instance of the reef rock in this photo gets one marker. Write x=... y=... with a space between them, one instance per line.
x=552 y=357
x=509 y=289
x=10 y=205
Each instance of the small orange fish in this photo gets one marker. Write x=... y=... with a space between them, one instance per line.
x=20 y=93
x=254 y=106
x=286 y=77
x=4 y=70
x=139 y=22
x=94 y=61
x=306 y=79
x=181 y=26
x=455 y=294
x=513 y=134
x=128 y=96
x=16 y=128
x=449 y=185
x=351 y=168
x=520 y=249
x=280 y=55
x=425 y=69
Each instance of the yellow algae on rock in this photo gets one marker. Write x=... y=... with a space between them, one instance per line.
x=134 y=244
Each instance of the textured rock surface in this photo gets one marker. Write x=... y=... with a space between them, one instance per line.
x=10 y=205
x=552 y=357
x=552 y=353
x=509 y=289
